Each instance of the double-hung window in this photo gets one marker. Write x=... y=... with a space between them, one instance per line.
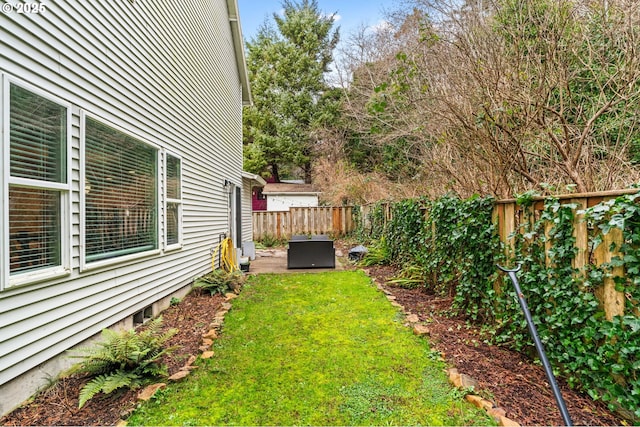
x=120 y=193
x=37 y=185
x=173 y=216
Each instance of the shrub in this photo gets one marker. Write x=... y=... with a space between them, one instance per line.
x=377 y=254
x=123 y=359
x=270 y=241
x=409 y=277
x=220 y=281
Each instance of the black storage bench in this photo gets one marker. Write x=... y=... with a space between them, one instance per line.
x=314 y=252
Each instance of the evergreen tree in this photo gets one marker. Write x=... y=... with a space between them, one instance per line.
x=287 y=65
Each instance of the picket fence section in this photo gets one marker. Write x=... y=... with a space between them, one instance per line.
x=332 y=220
x=508 y=216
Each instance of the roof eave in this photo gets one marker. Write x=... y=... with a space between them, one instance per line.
x=255 y=178
x=238 y=46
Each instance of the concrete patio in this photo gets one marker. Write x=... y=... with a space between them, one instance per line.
x=274 y=260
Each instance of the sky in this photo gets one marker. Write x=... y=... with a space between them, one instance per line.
x=351 y=14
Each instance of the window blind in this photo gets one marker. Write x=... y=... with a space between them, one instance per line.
x=172 y=223
x=38 y=137
x=34 y=224
x=37 y=152
x=173 y=177
x=120 y=190
x=173 y=195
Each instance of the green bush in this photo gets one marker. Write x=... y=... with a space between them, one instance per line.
x=220 y=281
x=405 y=231
x=270 y=241
x=372 y=227
x=126 y=359
x=409 y=277
x=452 y=244
x=377 y=254
x=613 y=372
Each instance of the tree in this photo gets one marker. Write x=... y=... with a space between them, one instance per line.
x=573 y=83
x=502 y=96
x=287 y=66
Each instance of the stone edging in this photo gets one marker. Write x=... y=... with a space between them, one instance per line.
x=460 y=381
x=205 y=353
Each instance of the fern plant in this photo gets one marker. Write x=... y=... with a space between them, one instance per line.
x=378 y=254
x=220 y=281
x=125 y=359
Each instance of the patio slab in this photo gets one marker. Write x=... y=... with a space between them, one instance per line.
x=274 y=260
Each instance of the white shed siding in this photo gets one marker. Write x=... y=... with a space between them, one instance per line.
x=282 y=202
x=165 y=72
x=249 y=180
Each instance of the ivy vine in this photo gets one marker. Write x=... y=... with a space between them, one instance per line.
x=454 y=244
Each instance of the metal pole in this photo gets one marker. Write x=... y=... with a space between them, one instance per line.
x=536 y=339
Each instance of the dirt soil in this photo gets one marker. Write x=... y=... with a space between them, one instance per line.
x=59 y=404
x=509 y=379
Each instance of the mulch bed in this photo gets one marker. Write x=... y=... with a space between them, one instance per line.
x=507 y=378
x=59 y=404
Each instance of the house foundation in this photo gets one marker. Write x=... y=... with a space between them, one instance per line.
x=17 y=391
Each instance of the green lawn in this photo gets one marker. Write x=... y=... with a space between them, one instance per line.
x=313 y=349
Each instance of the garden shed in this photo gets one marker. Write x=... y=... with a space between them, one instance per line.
x=283 y=195
x=122 y=134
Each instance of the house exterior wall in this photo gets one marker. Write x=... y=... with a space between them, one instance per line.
x=282 y=202
x=247 y=218
x=162 y=72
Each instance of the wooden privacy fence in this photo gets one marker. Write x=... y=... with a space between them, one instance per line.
x=508 y=216
x=336 y=221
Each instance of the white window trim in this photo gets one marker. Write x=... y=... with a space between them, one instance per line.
x=93 y=265
x=64 y=269
x=167 y=200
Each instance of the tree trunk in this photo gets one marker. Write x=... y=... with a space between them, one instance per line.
x=307 y=173
x=275 y=173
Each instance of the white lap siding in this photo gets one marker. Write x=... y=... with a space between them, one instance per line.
x=163 y=72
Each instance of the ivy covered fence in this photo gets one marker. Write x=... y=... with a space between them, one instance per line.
x=580 y=257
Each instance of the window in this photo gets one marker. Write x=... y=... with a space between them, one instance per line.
x=38 y=186
x=257 y=192
x=120 y=189
x=174 y=200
